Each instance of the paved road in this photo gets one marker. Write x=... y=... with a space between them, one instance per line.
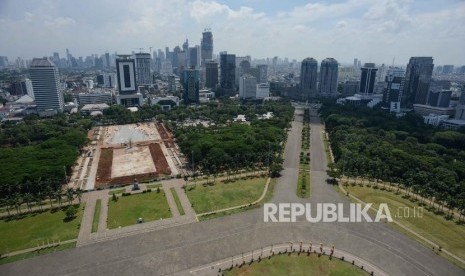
x=165 y=252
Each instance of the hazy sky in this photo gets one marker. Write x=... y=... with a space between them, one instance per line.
x=371 y=30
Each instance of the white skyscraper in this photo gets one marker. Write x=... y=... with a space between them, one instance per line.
x=45 y=82
x=247 y=86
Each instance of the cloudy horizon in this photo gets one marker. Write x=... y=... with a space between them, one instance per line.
x=372 y=31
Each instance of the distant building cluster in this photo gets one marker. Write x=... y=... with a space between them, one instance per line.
x=193 y=74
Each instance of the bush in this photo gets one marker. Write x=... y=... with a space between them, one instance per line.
x=149 y=190
x=71 y=212
x=158 y=189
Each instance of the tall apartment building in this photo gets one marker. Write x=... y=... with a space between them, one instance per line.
x=211 y=74
x=46 y=85
x=308 y=78
x=417 y=81
x=127 y=88
x=328 y=77
x=393 y=84
x=191 y=85
x=247 y=86
x=143 y=76
x=367 y=79
x=206 y=46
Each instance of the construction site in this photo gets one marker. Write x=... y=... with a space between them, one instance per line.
x=123 y=154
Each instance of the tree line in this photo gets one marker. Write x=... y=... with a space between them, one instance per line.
x=376 y=145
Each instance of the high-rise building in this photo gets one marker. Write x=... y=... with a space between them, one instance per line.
x=242 y=69
x=3 y=61
x=206 y=46
x=263 y=90
x=211 y=75
x=462 y=95
x=26 y=86
x=191 y=85
x=126 y=75
x=107 y=62
x=308 y=78
x=247 y=86
x=439 y=98
x=262 y=76
x=417 y=81
x=393 y=84
x=228 y=71
x=328 y=77
x=193 y=57
x=109 y=80
x=448 y=69
x=46 y=84
x=367 y=79
x=143 y=76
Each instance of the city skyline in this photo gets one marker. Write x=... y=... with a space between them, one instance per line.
x=370 y=31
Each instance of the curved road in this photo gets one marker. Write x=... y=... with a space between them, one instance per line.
x=177 y=249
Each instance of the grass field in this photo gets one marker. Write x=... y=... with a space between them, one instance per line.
x=34 y=229
x=446 y=233
x=98 y=205
x=268 y=195
x=126 y=211
x=297 y=265
x=44 y=251
x=117 y=191
x=153 y=186
x=178 y=202
x=206 y=198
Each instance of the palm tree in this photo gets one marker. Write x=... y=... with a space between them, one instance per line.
x=17 y=202
x=28 y=198
x=50 y=194
x=39 y=198
x=5 y=202
x=10 y=203
x=58 y=196
x=78 y=193
x=70 y=195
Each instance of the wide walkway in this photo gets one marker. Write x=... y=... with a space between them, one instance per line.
x=187 y=246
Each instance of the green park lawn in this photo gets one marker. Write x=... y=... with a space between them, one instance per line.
x=178 y=202
x=27 y=255
x=117 y=191
x=207 y=198
x=127 y=209
x=446 y=233
x=31 y=230
x=96 y=218
x=297 y=265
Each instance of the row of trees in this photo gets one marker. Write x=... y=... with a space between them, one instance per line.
x=376 y=145
x=56 y=198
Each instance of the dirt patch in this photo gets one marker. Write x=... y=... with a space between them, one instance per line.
x=164 y=134
x=159 y=159
x=104 y=166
